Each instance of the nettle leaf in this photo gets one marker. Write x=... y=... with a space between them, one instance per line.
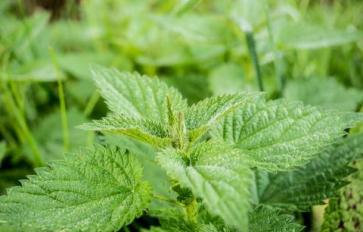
x=265 y=218
x=145 y=107
x=318 y=180
x=215 y=173
x=94 y=190
x=153 y=173
x=346 y=210
x=136 y=96
x=175 y=220
x=280 y=135
x=141 y=129
x=204 y=114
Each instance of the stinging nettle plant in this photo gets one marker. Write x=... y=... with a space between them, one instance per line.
x=228 y=163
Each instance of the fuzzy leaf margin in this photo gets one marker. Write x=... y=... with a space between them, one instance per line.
x=318 y=180
x=98 y=189
x=145 y=131
x=203 y=115
x=281 y=135
x=215 y=173
x=266 y=218
x=136 y=96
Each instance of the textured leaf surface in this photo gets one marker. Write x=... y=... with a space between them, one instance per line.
x=204 y=114
x=174 y=220
x=318 y=180
x=96 y=190
x=143 y=130
x=137 y=96
x=270 y=219
x=153 y=173
x=346 y=211
x=215 y=173
x=280 y=135
x=313 y=91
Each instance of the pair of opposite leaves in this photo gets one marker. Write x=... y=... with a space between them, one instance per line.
x=102 y=188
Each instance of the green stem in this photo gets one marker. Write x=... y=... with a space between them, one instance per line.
x=62 y=103
x=277 y=63
x=91 y=103
x=18 y=97
x=253 y=53
x=28 y=31
x=25 y=131
x=8 y=137
x=64 y=118
x=21 y=126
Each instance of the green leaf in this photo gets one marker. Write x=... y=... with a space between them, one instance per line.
x=201 y=40
x=143 y=130
x=203 y=115
x=227 y=78
x=52 y=141
x=175 y=220
x=39 y=71
x=312 y=91
x=247 y=13
x=346 y=210
x=304 y=36
x=318 y=180
x=280 y=135
x=23 y=42
x=136 y=96
x=154 y=174
x=266 y=218
x=77 y=64
x=215 y=173
x=94 y=190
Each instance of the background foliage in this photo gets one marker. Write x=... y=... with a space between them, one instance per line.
x=304 y=50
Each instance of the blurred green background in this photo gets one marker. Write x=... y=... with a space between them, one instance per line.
x=303 y=50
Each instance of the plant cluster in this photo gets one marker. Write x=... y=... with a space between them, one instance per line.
x=232 y=162
x=246 y=117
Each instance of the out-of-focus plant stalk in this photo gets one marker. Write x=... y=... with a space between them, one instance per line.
x=251 y=44
x=62 y=102
x=20 y=126
x=280 y=80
